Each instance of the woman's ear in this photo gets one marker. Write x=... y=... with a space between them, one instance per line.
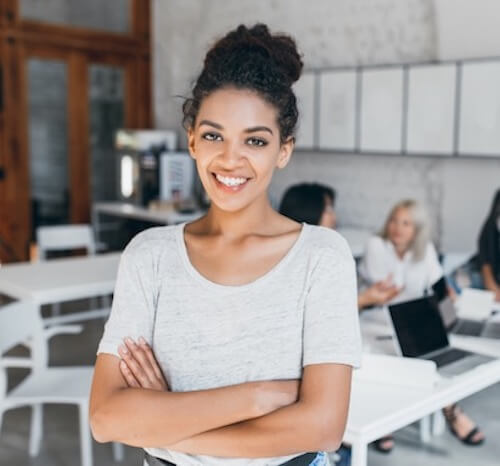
x=285 y=154
x=191 y=143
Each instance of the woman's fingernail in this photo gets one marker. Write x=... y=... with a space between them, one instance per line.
x=129 y=340
x=142 y=341
x=123 y=349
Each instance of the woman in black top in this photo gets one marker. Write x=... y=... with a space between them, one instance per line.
x=489 y=249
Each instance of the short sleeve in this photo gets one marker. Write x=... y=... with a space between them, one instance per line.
x=134 y=299
x=331 y=321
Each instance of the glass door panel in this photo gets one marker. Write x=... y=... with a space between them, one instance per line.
x=106 y=114
x=48 y=141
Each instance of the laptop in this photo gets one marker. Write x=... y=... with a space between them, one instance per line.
x=450 y=314
x=420 y=333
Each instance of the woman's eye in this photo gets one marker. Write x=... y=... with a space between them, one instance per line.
x=212 y=137
x=257 y=142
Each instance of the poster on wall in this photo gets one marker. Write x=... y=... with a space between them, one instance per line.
x=305 y=91
x=381 y=110
x=479 y=124
x=431 y=109
x=337 y=110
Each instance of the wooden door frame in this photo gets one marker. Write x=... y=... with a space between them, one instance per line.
x=20 y=39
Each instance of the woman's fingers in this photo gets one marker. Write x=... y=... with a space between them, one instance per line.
x=128 y=376
x=154 y=363
x=131 y=354
x=142 y=364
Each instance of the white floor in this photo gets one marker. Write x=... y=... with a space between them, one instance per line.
x=61 y=447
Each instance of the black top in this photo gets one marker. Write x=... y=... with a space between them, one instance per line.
x=489 y=239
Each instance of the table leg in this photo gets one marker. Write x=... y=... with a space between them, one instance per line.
x=438 y=423
x=425 y=429
x=359 y=452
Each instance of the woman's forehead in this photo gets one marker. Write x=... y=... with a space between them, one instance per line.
x=237 y=108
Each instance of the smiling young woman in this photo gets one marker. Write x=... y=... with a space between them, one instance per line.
x=232 y=339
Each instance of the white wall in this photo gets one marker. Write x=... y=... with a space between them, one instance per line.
x=467 y=28
x=336 y=33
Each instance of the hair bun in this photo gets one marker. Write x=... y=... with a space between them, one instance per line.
x=279 y=49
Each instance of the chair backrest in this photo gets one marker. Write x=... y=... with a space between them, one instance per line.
x=19 y=321
x=64 y=237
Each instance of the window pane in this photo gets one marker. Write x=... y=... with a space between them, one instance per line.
x=106 y=116
x=48 y=141
x=108 y=15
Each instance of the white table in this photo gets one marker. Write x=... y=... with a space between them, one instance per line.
x=379 y=408
x=61 y=280
x=130 y=211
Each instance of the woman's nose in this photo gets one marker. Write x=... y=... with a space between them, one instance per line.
x=230 y=155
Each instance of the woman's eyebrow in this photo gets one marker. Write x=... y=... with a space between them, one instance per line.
x=211 y=123
x=253 y=129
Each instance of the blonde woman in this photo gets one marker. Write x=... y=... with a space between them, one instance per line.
x=403 y=250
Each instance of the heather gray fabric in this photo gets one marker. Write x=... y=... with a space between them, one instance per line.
x=206 y=335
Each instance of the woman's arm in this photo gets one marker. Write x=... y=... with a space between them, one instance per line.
x=489 y=279
x=152 y=418
x=316 y=422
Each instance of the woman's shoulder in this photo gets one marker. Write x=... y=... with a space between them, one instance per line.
x=321 y=238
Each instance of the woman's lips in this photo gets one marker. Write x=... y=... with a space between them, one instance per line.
x=229 y=189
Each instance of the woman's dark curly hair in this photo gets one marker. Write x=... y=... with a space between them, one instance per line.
x=253 y=59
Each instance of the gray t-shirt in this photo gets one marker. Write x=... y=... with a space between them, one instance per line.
x=206 y=335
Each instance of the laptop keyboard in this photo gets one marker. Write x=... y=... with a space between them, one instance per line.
x=447 y=357
x=469 y=327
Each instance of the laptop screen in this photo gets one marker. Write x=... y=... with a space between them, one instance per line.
x=418 y=326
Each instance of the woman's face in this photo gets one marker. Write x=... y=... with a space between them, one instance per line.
x=328 y=218
x=235 y=142
x=401 y=229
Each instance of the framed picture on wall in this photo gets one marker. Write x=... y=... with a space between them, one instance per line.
x=381 y=119
x=431 y=109
x=337 y=110
x=305 y=91
x=479 y=123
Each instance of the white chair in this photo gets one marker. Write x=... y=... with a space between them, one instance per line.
x=20 y=321
x=65 y=238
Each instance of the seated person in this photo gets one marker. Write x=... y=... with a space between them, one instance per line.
x=404 y=251
x=314 y=203
x=489 y=249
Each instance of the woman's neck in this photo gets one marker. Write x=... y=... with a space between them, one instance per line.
x=400 y=250
x=255 y=218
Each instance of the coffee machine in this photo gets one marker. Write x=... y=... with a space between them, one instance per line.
x=139 y=155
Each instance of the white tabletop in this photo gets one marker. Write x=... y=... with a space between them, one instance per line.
x=60 y=279
x=167 y=217
x=378 y=408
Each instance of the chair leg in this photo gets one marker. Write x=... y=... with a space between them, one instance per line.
x=118 y=452
x=36 y=429
x=85 y=437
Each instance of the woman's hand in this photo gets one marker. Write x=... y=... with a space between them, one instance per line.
x=139 y=366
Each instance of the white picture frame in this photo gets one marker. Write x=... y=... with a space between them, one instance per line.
x=337 y=110
x=305 y=92
x=381 y=119
x=431 y=109
x=479 y=119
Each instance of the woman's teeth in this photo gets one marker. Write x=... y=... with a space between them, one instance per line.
x=228 y=181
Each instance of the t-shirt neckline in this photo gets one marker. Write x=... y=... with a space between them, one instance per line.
x=193 y=271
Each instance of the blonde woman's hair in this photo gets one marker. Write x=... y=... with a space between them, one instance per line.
x=421 y=221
